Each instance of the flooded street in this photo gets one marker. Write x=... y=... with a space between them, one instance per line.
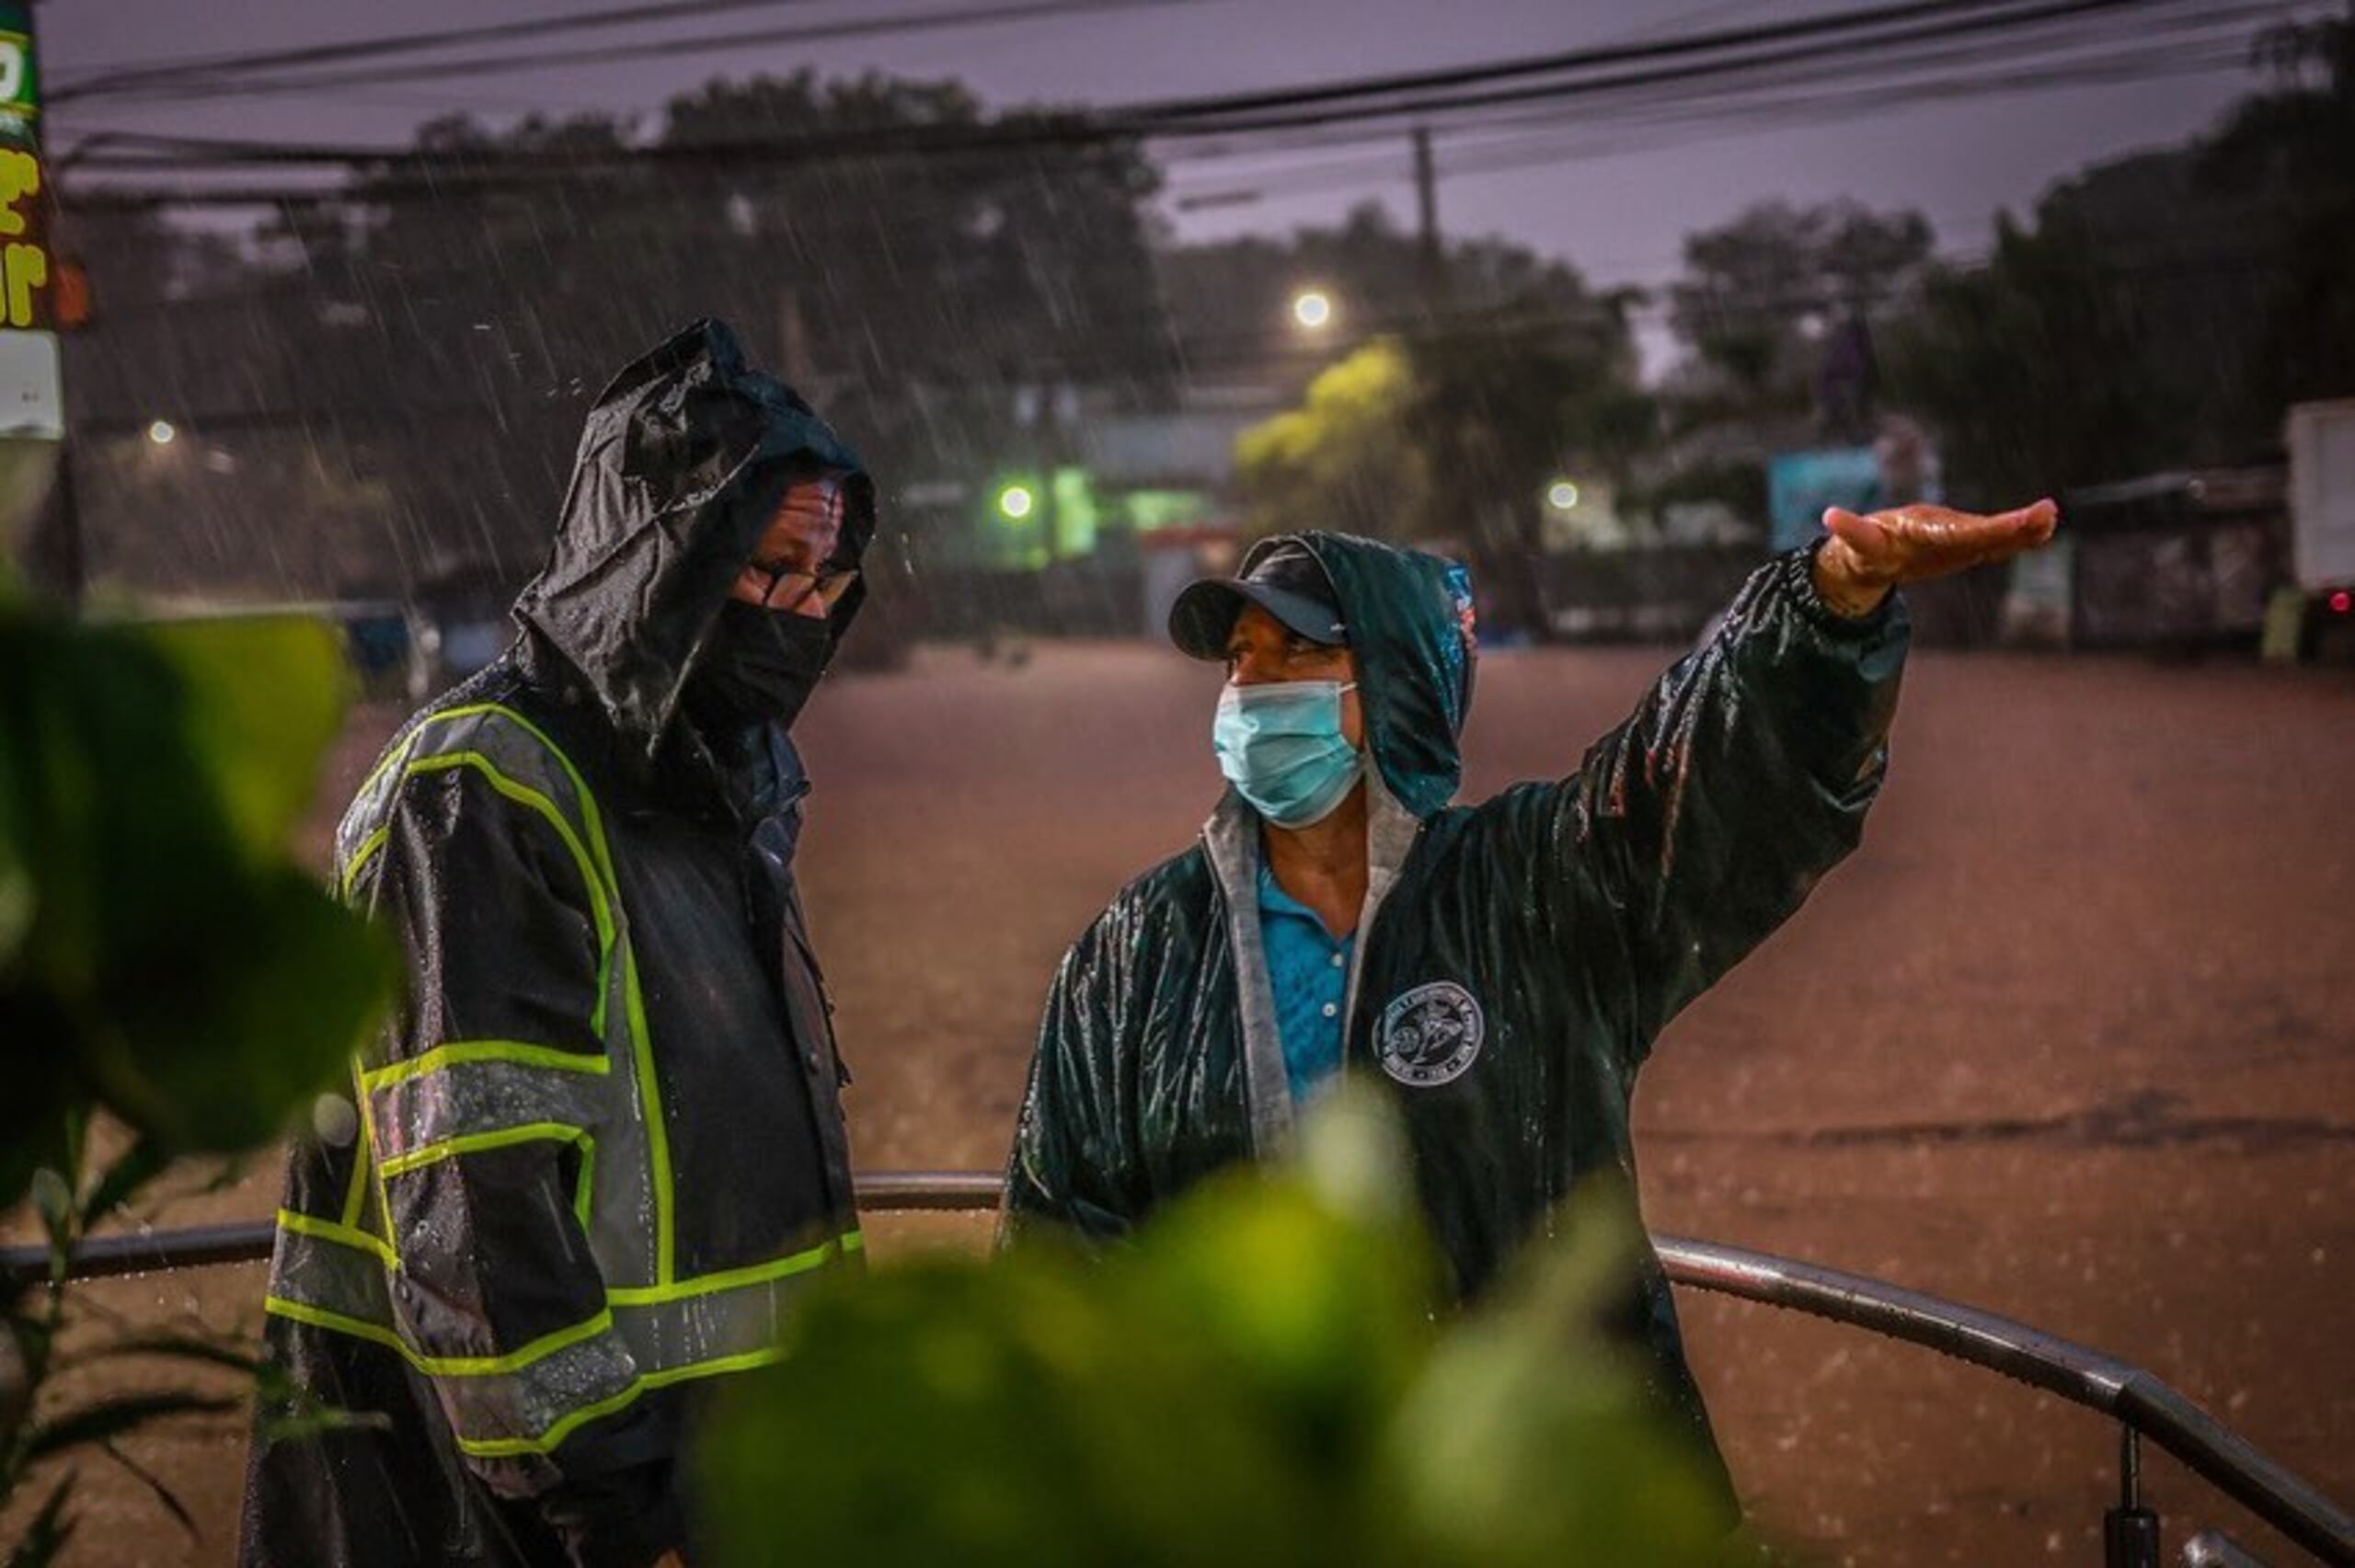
x=2068 y=1039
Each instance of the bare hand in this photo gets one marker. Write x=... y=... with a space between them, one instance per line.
x=1871 y=553
x=669 y=1560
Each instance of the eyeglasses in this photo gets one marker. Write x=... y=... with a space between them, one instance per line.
x=793 y=587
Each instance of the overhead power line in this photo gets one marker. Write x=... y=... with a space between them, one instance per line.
x=1534 y=139
x=147 y=75
x=235 y=84
x=1853 y=29
x=1882 y=39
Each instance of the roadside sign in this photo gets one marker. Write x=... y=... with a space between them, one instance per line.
x=32 y=400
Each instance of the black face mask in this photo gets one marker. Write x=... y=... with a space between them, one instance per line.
x=758 y=666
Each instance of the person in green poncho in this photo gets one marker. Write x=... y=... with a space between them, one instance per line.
x=1502 y=968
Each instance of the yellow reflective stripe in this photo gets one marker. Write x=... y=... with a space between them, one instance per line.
x=729 y=1280
x=328 y=1231
x=514 y=1361
x=622 y=1295
x=475 y=1142
x=364 y=1150
x=320 y=1318
x=393 y=758
x=539 y=1349
x=598 y=906
x=362 y=855
x=649 y=1091
x=443 y=761
x=590 y=817
x=377 y=1172
x=455 y=1051
x=580 y=786
x=596 y=873
x=564 y=1427
x=508 y=1447
x=585 y=1185
x=657 y=1141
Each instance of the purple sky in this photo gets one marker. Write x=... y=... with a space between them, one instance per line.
x=1619 y=212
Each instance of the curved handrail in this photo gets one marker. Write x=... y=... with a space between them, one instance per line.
x=2082 y=1375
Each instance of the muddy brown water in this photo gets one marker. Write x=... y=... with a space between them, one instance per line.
x=2069 y=1038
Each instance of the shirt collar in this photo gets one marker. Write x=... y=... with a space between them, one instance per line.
x=1274 y=900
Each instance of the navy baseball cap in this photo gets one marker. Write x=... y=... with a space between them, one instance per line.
x=1287 y=582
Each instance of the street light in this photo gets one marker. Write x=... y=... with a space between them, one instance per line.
x=1562 y=496
x=161 y=432
x=1313 y=309
x=1015 y=501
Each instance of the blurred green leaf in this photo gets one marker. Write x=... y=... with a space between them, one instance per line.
x=17 y=899
x=1479 y=1458
x=176 y=966
x=160 y=956
x=1259 y=1378
x=52 y=1196
x=267 y=697
x=259 y=1016
x=287 y=1412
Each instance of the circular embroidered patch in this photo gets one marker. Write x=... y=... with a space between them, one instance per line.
x=1430 y=1035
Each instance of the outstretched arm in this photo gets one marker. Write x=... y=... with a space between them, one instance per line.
x=1745 y=772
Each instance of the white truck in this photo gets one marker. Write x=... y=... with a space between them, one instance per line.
x=2321 y=439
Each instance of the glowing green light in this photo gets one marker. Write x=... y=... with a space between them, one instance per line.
x=1015 y=501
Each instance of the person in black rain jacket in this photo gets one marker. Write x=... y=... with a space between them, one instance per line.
x=601 y=1145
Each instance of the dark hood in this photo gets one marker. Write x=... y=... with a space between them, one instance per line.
x=681 y=466
x=1409 y=619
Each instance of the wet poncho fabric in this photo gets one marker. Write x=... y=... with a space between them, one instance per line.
x=601 y=1144
x=1517 y=958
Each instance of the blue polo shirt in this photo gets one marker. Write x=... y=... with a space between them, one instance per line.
x=1309 y=969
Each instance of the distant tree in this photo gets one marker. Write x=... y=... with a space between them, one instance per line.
x=2293 y=141
x=2161 y=309
x=2032 y=370
x=1448 y=437
x=1343 y=459
x=1762 y=294
x=455 y=341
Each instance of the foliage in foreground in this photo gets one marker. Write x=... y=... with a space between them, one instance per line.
x=162 y=959
x=1263 y=1378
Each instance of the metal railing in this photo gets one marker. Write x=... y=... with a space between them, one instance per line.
x=2142 y=1404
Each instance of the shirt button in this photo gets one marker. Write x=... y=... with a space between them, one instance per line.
x=1337 y=960
x=1332 y=1010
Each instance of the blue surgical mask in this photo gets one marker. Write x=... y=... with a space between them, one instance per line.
x=1280 y=745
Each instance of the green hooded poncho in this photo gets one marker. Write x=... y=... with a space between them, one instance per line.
x=1516 y=958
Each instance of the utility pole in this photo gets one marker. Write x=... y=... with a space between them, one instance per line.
x=1433 y=261
x=793 y=343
